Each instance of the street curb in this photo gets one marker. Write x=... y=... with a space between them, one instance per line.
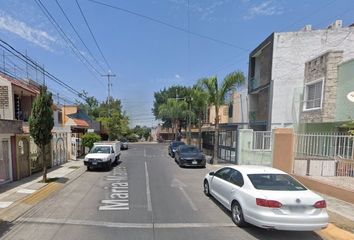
x=23 y=205
x=335 y=233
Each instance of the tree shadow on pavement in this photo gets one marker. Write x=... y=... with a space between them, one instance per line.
x=5 y=227
x=266 y=234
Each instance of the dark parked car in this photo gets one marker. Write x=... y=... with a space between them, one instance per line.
x=173 y=146
x=124 y=144
x=189 y=155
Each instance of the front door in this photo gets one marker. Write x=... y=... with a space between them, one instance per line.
x=4 y=162
x=23 y=158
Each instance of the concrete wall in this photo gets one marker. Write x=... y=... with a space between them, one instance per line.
x=239 y=108
x=6 y=100
x=223 y=114
x=291 y=51
x=283 y=149
x=249 y=156
x=344 y=109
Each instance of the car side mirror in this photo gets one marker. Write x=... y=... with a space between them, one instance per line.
x=211 y=173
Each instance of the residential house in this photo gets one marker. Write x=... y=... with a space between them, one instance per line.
x=276 y=71
x=327 y=82
x=79 y=123
x=16 y=103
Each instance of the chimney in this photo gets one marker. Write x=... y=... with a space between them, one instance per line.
x=337 y=24
x=307 y=28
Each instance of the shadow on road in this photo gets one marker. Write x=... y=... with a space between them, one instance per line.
x=5 y=227
x=265 y=234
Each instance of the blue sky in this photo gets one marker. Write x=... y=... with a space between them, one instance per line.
x=147 y=56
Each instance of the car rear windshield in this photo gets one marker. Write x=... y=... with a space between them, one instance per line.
x=176 y=144
x=275 y=182
x=188 y=149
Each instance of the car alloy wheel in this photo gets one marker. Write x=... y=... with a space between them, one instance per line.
x=237 y=215
x=206 y=188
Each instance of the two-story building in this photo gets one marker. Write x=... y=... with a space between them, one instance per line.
x=327 y=82
x=276 y=71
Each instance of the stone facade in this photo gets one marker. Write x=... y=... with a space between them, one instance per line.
x=324 y=67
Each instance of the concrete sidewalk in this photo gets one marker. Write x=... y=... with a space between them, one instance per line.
x=13 y=195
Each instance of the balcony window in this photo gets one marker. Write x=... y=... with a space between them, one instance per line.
x=313 y=95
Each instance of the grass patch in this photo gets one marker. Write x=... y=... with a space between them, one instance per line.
x=74 y=167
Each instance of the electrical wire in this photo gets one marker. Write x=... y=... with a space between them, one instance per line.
x=169 y=25
x=93 y=36
x=68 y=41
x=33 y=64
x=78 y=35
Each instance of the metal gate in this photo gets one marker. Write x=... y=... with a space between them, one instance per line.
x=4 y=162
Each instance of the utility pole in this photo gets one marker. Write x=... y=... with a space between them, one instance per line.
x=109 y=75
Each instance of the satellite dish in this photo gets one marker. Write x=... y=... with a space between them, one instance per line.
x=350 y=96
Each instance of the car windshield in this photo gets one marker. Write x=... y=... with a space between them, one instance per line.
x=275 y=182
x=101 y=149
x=189 y=149
x=124 y=140
x=176 y=144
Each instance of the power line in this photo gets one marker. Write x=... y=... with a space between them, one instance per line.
x=82 y=41
x=33 y=64
x=93 y=36
x=68 y=41
x=169 y=25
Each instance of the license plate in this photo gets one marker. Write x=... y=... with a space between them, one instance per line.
x=194 y=162
x=94 y=163
x=297 y=209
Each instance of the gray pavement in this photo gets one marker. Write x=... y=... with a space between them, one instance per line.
x=146 y=196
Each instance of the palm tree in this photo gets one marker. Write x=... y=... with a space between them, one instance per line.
x=174 y=110
x=217 y=95
x=199 y=104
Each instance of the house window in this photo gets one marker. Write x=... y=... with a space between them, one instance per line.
x=313 y=95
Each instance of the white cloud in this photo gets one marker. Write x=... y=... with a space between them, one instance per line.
x=267 y=8
x=205 y=9
x=21 y=29
x=177 y=76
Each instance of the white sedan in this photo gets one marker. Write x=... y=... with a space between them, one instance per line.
x=266 y=197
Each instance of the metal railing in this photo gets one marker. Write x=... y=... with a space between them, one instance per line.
x=262 y=140
x=325 y=145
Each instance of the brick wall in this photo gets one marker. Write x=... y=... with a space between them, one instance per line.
x=10 y=126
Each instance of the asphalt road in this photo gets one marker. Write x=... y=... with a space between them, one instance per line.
x=146 y=196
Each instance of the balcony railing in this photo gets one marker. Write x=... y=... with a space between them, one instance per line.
x=253 y=84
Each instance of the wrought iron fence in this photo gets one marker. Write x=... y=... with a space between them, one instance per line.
x=325 y=145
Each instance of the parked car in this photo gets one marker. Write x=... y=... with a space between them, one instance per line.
x=266 y=197
x=124 y=144
x=173 y=146
x=103 y=155
x=189 y=155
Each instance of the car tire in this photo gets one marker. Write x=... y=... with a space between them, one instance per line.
x=237 y=214
x=88 y=168
x=206 y=188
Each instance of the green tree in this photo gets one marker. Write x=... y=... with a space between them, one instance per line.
x=216 y=96
x=41 y=123
x=161 y=97
x=89 y=139
x=173 y=110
